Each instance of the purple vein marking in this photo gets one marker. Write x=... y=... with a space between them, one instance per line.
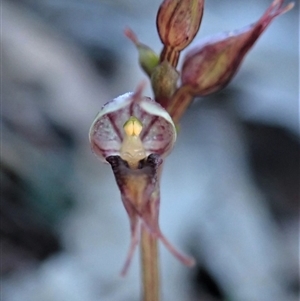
x=112 y=119
x=155 y=119
x=160 y=150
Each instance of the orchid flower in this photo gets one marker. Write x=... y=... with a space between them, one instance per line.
x=134 y=134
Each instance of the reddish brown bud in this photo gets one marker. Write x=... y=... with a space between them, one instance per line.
x=210 y=66
x=178 y=22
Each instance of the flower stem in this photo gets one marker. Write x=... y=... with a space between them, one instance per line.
x=170 y=55
x=150 y=266
x=180 y=102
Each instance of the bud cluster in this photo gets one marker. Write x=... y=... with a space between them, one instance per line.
x=207 y=67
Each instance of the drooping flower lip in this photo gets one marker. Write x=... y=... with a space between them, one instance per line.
x=107 y=131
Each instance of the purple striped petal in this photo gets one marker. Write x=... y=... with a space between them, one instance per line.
x=107 y=133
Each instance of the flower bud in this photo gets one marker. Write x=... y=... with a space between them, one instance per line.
x=164 y=81
x=148 y=59
x=178 y=22
x=212 y=64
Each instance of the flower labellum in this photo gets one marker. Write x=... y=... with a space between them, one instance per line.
x=134 y=134
x=211 y=65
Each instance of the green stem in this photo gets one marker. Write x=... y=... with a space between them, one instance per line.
x=150 y=266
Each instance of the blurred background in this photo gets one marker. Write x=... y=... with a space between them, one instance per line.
x=230 y=191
